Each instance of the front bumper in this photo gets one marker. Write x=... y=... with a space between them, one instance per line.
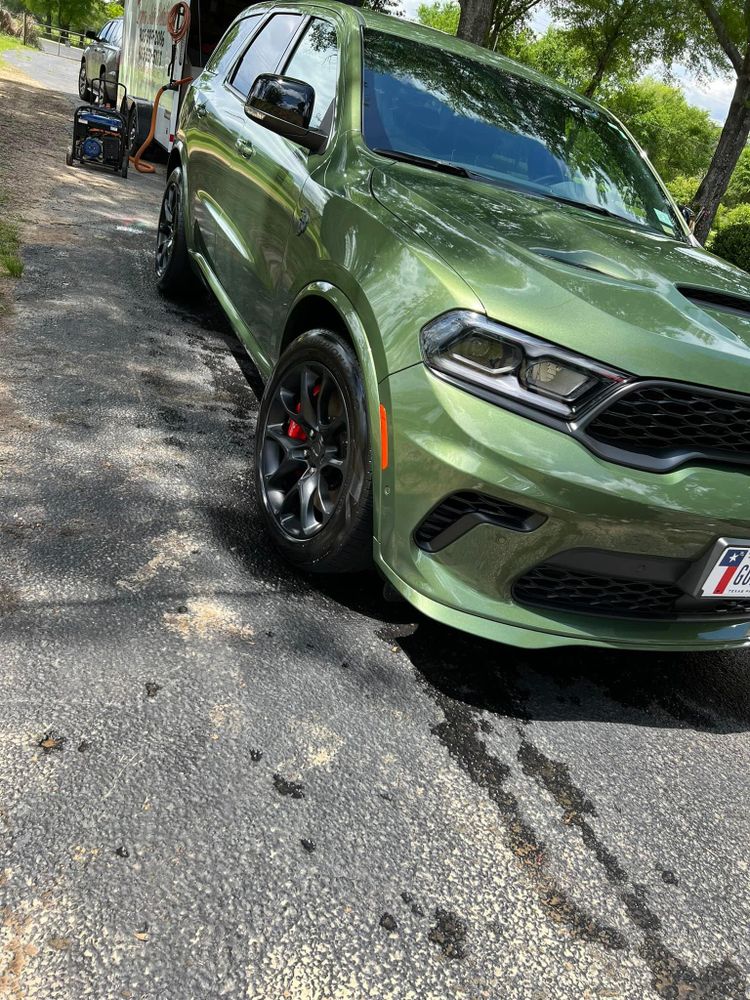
x=445 y=441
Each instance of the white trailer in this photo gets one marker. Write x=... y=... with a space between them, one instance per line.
x=151 y=59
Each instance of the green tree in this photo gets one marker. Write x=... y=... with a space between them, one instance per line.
x=725 y=25
x=679 y=138
x=66 y=13
x=485 y=22
x=555 y=54
x=622 y=37
x=443 y=15
x=738 y=192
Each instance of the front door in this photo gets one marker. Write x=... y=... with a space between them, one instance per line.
x=252 y=185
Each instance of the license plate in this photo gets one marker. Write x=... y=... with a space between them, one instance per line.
x=729 y=572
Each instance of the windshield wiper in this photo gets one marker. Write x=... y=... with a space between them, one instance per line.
x=599 y=209
x=425 y=161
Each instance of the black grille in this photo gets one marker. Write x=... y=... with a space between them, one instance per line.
x=550 y=586
x=672 y=420
x=461 y=512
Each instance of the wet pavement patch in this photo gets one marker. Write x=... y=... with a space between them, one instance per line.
x=256 y=756
x=309 y=845
x=152 y=689
x=449 y=933
x=84 y=746
x=388 y=923
x=122 y=851
x=291 y=788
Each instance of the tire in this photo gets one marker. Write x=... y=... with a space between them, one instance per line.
x=133 y=143
x=313 y=465
x=124 y=167
x=174 y=272
x=84 y=91
x=69 y=158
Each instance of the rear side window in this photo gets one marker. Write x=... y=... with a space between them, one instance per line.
x=316 y=61
x=104 y=33
x=265 y=51
x=115 y=34
x=231 y=43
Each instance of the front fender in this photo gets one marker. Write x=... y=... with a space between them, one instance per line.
x=374 y=390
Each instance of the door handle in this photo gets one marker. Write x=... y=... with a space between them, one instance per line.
x=200 y=109
x=244 y=147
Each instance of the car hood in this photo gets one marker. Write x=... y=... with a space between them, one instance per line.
x=649 y=304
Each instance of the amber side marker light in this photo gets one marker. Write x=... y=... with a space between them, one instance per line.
x=383 y=438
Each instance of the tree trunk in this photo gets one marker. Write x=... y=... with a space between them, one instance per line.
x=474 y=20
x=731 y=143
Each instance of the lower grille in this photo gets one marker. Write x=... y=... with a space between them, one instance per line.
x=554 y=586
x=461 y=512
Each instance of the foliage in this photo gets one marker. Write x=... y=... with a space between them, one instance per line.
x=384 y=6
x=739 y=186
x=443 y=15
x=622 y=37
x=555 y=53
x=10 y=261
x=678 y=137
x=11 y=29
x=732 y=216
x=683 y=188
x=733 y=244
x=74 y=15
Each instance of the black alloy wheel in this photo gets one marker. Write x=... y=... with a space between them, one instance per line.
x=313 y=466
x=165 y=235
x=304 y=457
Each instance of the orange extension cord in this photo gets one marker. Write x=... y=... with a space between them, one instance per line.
x=176 y=34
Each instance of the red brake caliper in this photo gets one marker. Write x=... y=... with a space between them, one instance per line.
x=294 y=430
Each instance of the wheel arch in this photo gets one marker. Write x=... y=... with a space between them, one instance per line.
x=322 y=304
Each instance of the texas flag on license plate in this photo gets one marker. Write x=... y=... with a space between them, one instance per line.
x=731 y=575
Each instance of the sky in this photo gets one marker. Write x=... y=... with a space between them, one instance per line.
x=713 y=94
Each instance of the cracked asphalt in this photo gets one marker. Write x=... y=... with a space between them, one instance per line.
x=221 y=779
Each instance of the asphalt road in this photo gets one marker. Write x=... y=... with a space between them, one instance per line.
x=221 y=779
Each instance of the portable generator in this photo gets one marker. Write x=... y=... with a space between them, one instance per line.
x=99 y=137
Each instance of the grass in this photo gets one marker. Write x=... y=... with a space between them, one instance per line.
x=8 y=42
x=10 y=260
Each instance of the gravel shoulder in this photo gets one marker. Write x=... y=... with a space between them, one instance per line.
x=221 y=779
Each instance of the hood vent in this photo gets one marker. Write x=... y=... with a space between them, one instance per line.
x=717 y=301
x=586 y=260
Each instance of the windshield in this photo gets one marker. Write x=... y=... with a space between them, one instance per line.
x=427 y=102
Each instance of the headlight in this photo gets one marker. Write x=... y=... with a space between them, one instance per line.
x=496 y=361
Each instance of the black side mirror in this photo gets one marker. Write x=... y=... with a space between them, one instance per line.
x=284 y=106
x=91 y=35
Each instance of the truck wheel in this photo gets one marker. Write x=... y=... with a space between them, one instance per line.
x=83 y=87
x=174 y=272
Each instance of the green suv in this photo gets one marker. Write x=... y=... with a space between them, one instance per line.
x=496 y=360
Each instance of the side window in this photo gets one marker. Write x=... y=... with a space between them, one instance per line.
x=231 y=43
x=104 y=33
x=316 y=61
x=115 y=36
x=265 y=51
